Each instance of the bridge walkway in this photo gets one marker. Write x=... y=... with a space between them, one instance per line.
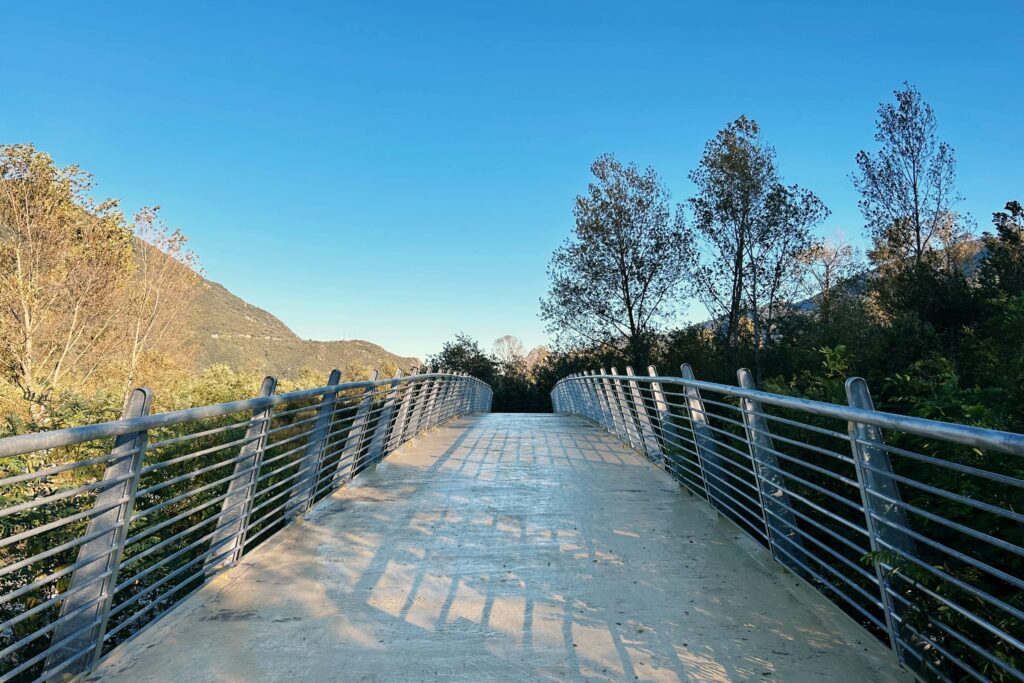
x=507 y=547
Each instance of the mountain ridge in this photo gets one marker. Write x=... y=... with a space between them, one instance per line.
x=231 y=331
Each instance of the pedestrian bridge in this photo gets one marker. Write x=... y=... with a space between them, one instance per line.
x=655 y=528
x=507 y=547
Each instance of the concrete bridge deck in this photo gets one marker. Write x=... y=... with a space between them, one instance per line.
x=507 y=547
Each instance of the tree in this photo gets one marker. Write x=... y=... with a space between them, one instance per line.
x=752 y=229
x=163 y=288
x=908 y=187
x=620 y=275
x=464 y=355
x=509 y=350
x=830 y=269
x=1003 y=266
x=65 y=261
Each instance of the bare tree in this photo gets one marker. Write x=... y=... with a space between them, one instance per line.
x=830 y=268
x=907 y=188
x=165 y=283
x=621 y=273
x=64 y=264
x=773 y=280
x=509 y=350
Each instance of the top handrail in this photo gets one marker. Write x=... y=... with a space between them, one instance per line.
x=977 y=437
x=70 y=436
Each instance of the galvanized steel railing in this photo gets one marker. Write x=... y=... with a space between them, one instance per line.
x=918 y=535
x=107 y=527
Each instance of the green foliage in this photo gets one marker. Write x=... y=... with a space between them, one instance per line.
x=620 y=275
x=1002 y=271
x=464 y=354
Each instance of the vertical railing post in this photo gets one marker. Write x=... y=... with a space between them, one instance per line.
x=601 y=387
x=780 y=523
x=429 y=409
x=382 y=430
x=468 y=395
x=444 y=391
x=84 y=613
x=397 y=437
x=628 y=421
x=643 y=419
x=616 y=425
x=602 y=403
x=670 y=442
x=465 y=382
x=878 y=491
x=421 y=396
x=302 y=491
x=228 y=540
x=703 y=436
x=583 y=404
x=582 y=388
x=454 y=409
x=587 y=399
x=444 y=400
x=567 y=398
x=349 y=463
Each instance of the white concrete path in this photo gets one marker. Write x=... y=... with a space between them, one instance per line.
x=507 y=547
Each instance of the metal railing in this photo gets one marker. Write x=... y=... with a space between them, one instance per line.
x=919 y=535
x=107 y=527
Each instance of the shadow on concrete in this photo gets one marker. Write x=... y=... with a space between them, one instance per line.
x=507 y=547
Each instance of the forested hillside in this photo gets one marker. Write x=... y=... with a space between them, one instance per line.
x=229 y=331
x=94 y=302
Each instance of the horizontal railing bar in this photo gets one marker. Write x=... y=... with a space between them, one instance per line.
x=941 y=547
x=953 y=633
x=62 y=495
x=63 y=571
x=846 y=598
x=53 y=648
x=149 y=530
x=39 y=441
x=70 y=519
x=128 y=602
x=974 y=533
x=949 y=495
x=163 y=464
x=965 y=587
x=57 y=469
x=177 y=536
x=945 y=653
x=17 y=619
x=956 y=607
x=956 y=466
x=187 y=494
x=192 y=545
x=1004 y=442
x=74 y=543
x=157 y=445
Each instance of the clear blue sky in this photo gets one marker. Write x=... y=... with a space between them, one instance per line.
x=400 y=173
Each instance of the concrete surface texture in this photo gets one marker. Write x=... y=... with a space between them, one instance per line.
x=507 y=547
